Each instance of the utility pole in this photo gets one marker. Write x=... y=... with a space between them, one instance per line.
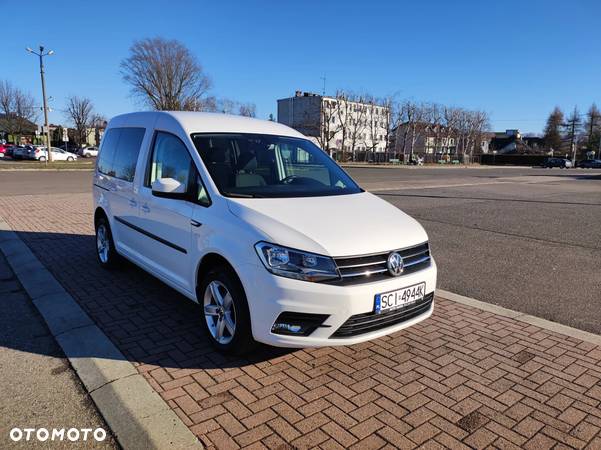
x=46 y=125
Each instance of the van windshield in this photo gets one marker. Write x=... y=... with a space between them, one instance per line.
x=259 y=165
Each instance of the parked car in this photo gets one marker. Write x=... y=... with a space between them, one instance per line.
x=3 y=149
x=590 y=164
x=562 y=163
x=8 y=151
x=88 y=152
x=263 y=229
x=58 y=154
x=69 y=147
x=21 y=151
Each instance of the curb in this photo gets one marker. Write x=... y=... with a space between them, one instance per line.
x=138 y=416
x=522 y=317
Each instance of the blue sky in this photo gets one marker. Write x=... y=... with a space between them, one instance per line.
x=514 y=59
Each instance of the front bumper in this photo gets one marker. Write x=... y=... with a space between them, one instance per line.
x=269 y=295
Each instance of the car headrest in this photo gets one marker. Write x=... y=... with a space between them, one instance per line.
x=247 y=161
x=218 y=155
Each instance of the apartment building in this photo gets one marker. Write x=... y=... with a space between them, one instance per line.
x=346 y=128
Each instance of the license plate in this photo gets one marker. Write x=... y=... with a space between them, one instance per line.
x=398 y=298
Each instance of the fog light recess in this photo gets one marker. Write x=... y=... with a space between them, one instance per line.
x=297 y=324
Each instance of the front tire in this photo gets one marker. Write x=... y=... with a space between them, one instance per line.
x=105 y=247
x=226 y=319
x=42 y=159
x=70 y=158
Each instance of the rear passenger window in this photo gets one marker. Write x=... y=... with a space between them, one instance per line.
x=126 y=156
x=119 y=152
x=107 y=151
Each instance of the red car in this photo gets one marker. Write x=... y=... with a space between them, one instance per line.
x=3 y=148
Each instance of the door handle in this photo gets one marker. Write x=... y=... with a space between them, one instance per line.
x=194 y=223
x=145 y=208
x=132 y=202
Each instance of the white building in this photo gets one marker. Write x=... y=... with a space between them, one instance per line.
x=348 y=129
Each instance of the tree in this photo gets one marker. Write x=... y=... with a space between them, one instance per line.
x=247 y=110
x=166 y=76
x=573 y=128
x=17 y=110
x=552 y=134
x=343 y=117
x=357 y=123
x=593 y=128
x=81 y=112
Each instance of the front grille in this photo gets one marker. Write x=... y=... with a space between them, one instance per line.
x=365 y=323
x=367 y=268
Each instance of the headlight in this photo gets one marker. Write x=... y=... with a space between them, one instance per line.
x=290 y=263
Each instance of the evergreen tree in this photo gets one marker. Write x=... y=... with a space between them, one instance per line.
x=553 y=130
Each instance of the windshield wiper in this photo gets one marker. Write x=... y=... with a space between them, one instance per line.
x=238 y=195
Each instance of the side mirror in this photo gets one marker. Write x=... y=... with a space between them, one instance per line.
x=168 y=188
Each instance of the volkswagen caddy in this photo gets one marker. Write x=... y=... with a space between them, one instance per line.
x=259 y=226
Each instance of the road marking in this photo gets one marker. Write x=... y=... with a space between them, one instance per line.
x=413 y=187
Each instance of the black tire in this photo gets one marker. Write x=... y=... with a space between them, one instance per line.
x=42 y=159
x=70 y=158
x=111 y=259
x=242 y=340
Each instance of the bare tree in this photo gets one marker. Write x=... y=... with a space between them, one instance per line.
x=166 y=76
x=378 y=124
x=329 y=125
x=344 y=115
x=225 y=106
x=357 y=123
x=98 y=123
x=248 y=110
x=81 y=112
x=17 y=110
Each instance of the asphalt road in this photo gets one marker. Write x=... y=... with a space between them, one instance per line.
x=39 y=388
x=527 y=239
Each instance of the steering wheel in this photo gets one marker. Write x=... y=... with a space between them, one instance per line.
x=289 y=179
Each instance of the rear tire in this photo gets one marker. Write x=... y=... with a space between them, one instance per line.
x=105 y=248
x=225 y=314
x=70 y=158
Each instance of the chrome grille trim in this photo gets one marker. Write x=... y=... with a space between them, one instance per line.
x=372 y=267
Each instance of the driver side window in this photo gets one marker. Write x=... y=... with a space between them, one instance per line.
x=171 y=159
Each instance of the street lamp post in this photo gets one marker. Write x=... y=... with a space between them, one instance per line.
x=41 y=55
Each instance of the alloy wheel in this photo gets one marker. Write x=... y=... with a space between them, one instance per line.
x=102 y=243
x=220 y=312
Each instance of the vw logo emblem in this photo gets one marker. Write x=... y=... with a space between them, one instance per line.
x=395 y=264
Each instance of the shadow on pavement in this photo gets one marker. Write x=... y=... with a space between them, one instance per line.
x=147 y=320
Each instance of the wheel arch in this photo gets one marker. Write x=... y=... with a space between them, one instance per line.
x=98 y=213
x=211 y=260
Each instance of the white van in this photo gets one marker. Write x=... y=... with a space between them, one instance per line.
x=261 y=228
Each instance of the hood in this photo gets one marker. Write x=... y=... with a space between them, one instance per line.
x=340 y=225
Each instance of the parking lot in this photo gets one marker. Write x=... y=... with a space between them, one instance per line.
x=527 y=239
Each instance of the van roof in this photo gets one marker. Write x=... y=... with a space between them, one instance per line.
x=203 y=122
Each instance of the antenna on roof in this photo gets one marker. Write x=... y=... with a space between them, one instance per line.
x=324 y=84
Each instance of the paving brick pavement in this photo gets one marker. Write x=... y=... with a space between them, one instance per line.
x=465 y=378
